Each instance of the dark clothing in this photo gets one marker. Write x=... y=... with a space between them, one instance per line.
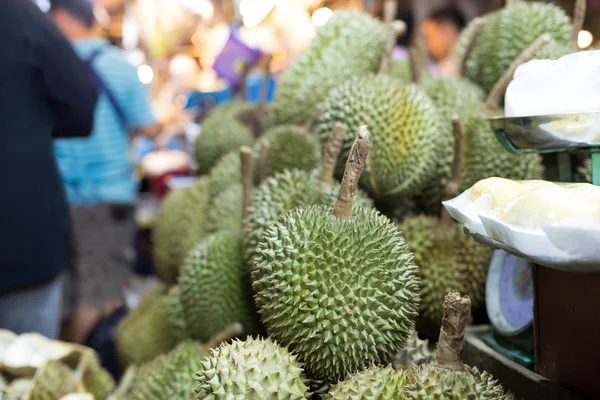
x=46 y=92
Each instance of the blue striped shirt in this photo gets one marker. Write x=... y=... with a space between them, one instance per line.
x=99 y=168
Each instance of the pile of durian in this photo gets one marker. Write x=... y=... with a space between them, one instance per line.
x=315 y=235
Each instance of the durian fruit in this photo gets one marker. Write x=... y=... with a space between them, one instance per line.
x=373 y=383
x=95 y=380
x=338 y=287
x=408 y=132
x=291 y=147
x=215 y=288
x=178 y=228
x=52 y=381
x=509 y=31
x=144 y=334
x=174 y=320
x=448 y=378
x=255 y=369
x=352 y=43
x=290 y=189
x=401 y=71
x=226 y=210
x=226 y=173
x=448 y=259
x=415 y=352
x=222 y=132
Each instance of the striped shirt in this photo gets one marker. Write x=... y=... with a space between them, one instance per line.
x=99 y=168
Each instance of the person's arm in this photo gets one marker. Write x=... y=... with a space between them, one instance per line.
x=138 y=108
x=68 y=84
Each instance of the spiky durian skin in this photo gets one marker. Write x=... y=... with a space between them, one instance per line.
x=455 y=97
x=226 y=210
x=52 y=381
x=351 y=44
x=401 y=71
x=144 y=333
x=415 y=352
x=407 y=132
x=342 y=293
x=96 y=380
x=282 y=193
x=255 y=369
x=170 y=377
x=174 y=316
x=447 y=261
x=373 y=383
x=215 y=288
x=226 y=173
x=509 y=31
x=291 y=148
x=432 y=382
x=222 y=132
x=179 y=226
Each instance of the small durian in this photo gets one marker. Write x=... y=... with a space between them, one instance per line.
x=254 y=369
x=448 y=378
x=373 y=383
x=338 y=286
x=222 y=132
x=52 y=381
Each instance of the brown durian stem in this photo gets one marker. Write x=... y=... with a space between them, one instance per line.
x=453 y=186
x=264 y=160
x=246 y=158
x=241 y=89
x=389 y=13
x=354 y=167
x=232 y=331
x=457 y=311
x=418 y=58
x=477 y=27
x=493 y=100
x=578 y=19
x=264 y=87
x=331 y=152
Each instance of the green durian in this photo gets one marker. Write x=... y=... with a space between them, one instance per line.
x=226 y=210
x=215 y=288
x=52 y=381
x=144 y=333
x=226 y=173
x=352 y=43
x=373 y=383
x=401 y=71
x=170 y=377
x=415 y=352
x=222 y=132
x=255 y=369
x=408 y=132
x=338 y=287
x=174 y=320
x=178 y=228
x=291 y=147
x=509 y=31
x=448 y=378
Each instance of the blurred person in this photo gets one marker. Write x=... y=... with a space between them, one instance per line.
x=46 y=92
x=98 y=172
x=441 y=31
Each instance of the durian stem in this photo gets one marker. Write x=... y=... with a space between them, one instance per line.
x=477 y=27
x=393 y=30
x=354 y=167
x=578 y=19
x=264 y=87
x=493 y=100
x=418 y=58
x=457 y=311
x=246 y=158
x=232 y=331
x=241 y=89
x=453 y=186
x=331 y=152
x=264 y=161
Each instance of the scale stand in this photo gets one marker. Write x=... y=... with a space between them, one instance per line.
x=566 y=305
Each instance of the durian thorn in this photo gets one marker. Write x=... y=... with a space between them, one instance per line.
x=264 y=160
x=126 y=382
x=499 y=88
x=264 y=87
x=232 y=331
x=578 y=19
x=241 y=89
x=476 y=28
x=457 y=311
x=453 y=186
x=246 y=161
x=331 y=152
x=354 y=167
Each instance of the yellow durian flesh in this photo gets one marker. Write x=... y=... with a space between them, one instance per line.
x=501 y=190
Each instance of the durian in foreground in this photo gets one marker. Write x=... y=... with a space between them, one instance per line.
x=338 y=286
x=254 y=369
x=447 y=258
x=373 y=383
x=52 y=381
x=448 y=378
